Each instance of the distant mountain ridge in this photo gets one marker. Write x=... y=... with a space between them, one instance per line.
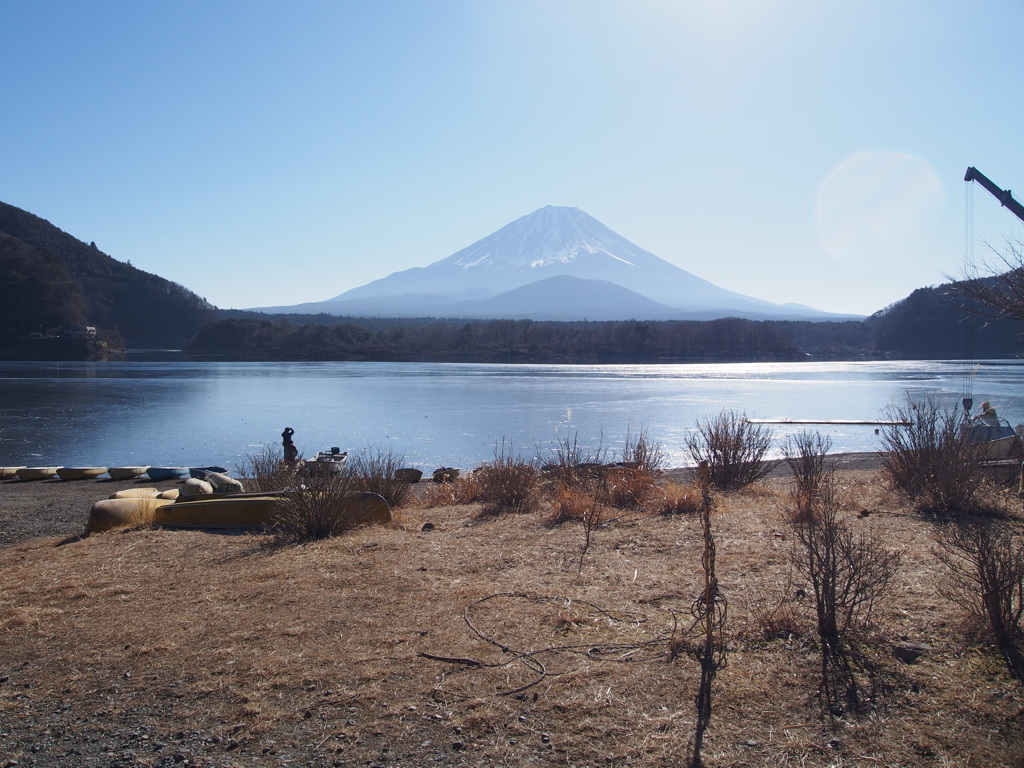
x=489 y=278
x=95 y=289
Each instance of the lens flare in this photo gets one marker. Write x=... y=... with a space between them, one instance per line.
x=879 y=208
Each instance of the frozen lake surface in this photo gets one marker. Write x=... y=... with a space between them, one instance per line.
x=189 y=414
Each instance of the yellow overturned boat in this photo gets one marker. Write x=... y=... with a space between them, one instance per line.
x=126 y=512
x=235 y=511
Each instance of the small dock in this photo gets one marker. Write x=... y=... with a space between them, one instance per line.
x=844 y=422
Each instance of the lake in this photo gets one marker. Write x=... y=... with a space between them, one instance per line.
x=189 y=414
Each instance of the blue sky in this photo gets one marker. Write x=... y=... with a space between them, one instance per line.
x=273 y=153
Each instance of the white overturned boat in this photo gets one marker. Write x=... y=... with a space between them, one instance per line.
x=36 y=473
x=80 y=473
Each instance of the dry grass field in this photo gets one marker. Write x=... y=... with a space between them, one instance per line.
x=480 y=640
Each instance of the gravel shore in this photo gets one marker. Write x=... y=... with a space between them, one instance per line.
x=44 y=508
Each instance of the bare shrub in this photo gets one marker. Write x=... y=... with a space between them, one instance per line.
x=508 y=484
x=931 y=460
x=327 y=505
x=848 y=574
x=640 y=452
x=985 y=563
x=374 y=471
x=578 y=505
x=573 y=466
x=266 y=471
x=813 y=472
x=733 y=448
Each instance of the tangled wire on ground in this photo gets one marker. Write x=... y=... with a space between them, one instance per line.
x=562 y=615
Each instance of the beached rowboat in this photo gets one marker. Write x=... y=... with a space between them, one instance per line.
x=126 y=473
x=80 y=473
x=7 y=473
x=166 y=473
x=202 y=472
x=36 y=473
x=328 y=463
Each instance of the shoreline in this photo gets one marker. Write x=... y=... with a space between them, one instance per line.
x=60 y=508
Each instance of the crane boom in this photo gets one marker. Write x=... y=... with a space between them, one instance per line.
x=1002 y=195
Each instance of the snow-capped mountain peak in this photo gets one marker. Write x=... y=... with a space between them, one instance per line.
x=551 y=242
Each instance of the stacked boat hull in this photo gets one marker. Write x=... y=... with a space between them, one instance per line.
x=241 y=511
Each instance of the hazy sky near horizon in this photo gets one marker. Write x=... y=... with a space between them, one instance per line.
x=265 y=153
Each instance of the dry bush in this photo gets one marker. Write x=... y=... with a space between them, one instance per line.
x=572 y=466
x=733 y=448
x=676 y=499
x=641 y=452
x=774 y=611
x=627 y=488
x=508 y=484
x=848 y=574
x=932 y=461
x=317 y=510
x=813 y=471
x=374 y=471
x=985 y=563
x=265 y=471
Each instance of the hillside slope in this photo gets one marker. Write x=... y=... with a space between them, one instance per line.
x=148 y=310
x=37 y=292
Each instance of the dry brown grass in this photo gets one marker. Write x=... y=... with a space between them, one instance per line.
x=477 y=642
x=628 y=487
x=676 y=499
x=572 y=505
x=465 y=489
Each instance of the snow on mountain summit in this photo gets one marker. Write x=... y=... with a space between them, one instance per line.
x=549 y=236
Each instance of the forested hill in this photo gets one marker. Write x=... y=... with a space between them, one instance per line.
x=527 y=341
x=928 y=324
x=57 y=276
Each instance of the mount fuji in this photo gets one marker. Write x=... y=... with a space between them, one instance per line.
x=557 y=263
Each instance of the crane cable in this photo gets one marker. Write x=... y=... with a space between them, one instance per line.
x=969 y=319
